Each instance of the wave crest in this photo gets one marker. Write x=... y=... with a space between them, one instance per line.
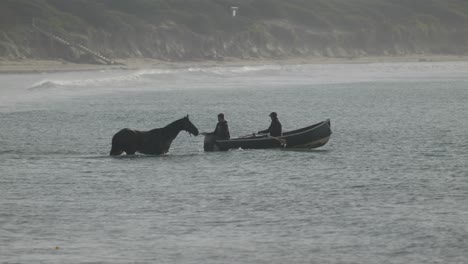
x=111 y=78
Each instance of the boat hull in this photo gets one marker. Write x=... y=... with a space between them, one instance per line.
x=309 y=137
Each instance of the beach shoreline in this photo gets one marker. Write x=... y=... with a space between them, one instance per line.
x=29 y=66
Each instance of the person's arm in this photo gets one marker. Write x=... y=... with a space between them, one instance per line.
x=268 y=130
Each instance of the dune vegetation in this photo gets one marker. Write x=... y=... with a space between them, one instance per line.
x=205 y=29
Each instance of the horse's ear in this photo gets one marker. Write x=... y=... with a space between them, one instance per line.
x=186 y=116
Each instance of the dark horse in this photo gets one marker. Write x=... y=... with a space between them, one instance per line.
x=155 y=142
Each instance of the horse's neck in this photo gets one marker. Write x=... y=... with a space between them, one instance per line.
x=173 y=129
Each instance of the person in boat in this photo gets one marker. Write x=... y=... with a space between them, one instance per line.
x=275 y=127
x=222 y=130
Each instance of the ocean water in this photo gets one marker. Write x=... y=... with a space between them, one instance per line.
x=391 y=186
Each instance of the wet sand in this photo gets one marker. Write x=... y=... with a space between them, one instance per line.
x=39 y=66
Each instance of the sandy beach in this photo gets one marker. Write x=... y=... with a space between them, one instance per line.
x=40 y=66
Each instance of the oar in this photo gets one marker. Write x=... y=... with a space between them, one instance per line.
x=248 y=135
x=282 y=141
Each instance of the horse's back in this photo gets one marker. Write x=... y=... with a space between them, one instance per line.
x=123 y=134
x=151 y=142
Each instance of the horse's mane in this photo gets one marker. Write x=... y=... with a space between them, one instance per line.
x=169 y=126
x=174 y=123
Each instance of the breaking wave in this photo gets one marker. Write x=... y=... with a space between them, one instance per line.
x=269 y=74
x=89 y=82
x=234 y=69
x=120 y=78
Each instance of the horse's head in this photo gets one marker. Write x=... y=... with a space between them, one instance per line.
x=188 y=126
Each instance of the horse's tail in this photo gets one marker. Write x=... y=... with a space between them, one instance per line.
x=115 y=150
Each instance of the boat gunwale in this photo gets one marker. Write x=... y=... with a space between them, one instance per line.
x=263 y=138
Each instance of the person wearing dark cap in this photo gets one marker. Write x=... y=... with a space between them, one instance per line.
x=222 y=129
x=275 y=127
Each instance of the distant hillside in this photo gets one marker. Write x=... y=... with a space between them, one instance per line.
x=205 y=29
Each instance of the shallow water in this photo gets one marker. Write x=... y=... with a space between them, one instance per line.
x=391 y=186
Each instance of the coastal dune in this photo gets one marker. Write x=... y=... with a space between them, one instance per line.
x=205 y=30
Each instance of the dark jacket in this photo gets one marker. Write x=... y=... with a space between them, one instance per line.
x=274 y=129
x=222 y=130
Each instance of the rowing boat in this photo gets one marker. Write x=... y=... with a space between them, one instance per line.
x=313 y=136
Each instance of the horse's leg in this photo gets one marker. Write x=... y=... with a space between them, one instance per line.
x=130 y=151
x=115 y=152
x=123 y=141
x=132 y=143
